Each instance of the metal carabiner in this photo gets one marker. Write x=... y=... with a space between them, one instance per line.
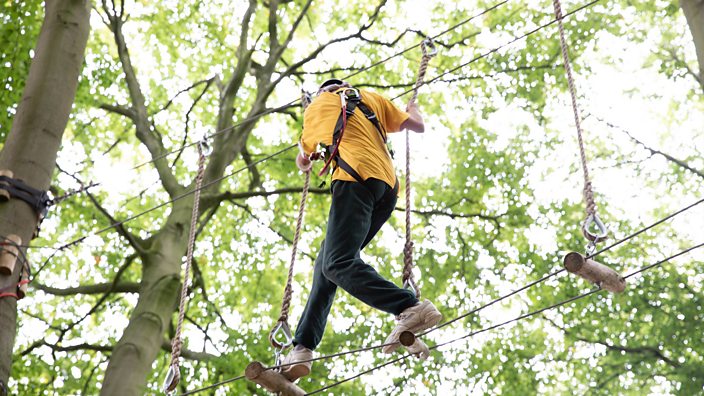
x=170 y=381
x=429 y=43
x=594 y=238
x=354 y=93
x=274 y=335
x=410 y=286
x=205 y=147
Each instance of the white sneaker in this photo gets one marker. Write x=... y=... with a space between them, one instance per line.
x=415 y=319
x=297 y=370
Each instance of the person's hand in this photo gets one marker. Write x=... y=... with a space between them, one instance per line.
x=303 y=162
x=411 y=106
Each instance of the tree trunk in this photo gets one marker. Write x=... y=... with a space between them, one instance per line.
x=132 y=358
x=694 y=12
x=32 y=145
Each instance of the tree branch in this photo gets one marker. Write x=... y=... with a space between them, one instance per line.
x=188 y=354
x=145 y=134
x=230 y=196
x=322 y=47
x=123 y=287
x=653 y=151
x=123 y=111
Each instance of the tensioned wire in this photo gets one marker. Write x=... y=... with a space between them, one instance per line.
x=290 y=147
x=512 y=293
x=292 y=102
x=80 y=239
x=516 y=319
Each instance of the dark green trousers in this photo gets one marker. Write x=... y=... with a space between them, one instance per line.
x=357 y=213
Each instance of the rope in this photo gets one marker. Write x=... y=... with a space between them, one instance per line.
x=373 y=347
x=484 y=55
x=587 y=190
x=176 y=344
x=288 y=290
x=408 y=279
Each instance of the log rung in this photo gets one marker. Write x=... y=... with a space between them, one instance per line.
x=594 y=272
x=8 y=254
x=271 y=380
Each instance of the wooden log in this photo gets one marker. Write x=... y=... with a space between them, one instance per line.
x=407 y=338
x=8 y=254
x=4 y=194
x=271 y=380
x=24 y=281
x=594 y=272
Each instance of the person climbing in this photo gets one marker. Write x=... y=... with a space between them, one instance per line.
x=364 y=194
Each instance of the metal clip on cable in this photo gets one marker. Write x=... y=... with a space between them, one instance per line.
x=281 y=328
x=205 y=147
x=428 y=43
x=600 y=234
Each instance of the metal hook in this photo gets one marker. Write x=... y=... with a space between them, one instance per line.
x=429 y=43
x=205 y=147
x=170 y=381
x=603 y=232
x=274 y=335
x=408 y=284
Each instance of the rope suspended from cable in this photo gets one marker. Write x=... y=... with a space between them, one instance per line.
x=429 y=51
x=174 y=376
x=505 y=296
x=592 y=216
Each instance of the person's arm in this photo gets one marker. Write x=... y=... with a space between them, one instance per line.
x=415 y=120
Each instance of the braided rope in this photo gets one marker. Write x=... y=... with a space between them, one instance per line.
x=282 y=323
x=288 y=290
x=587 y=191
x=408 y=279
x=176 y=343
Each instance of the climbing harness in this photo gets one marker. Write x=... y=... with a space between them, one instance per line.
x=350 y=99
x=173 y=376
x=429 y=50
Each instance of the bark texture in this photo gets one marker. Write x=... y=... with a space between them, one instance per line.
x=694 y=12
x=32 y=145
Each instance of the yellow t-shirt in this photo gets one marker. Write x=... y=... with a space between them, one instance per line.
x=362 y=146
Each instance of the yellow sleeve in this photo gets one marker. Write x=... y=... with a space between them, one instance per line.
x=391 y=116
x=318 y=123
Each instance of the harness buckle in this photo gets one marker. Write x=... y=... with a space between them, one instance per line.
x=350 y=93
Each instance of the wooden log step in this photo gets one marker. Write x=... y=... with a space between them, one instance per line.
x=271 y=380
x=594 y=272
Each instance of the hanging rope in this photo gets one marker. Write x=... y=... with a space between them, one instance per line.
x=282 y=324
x=408 y=280
x=592 y=217
x=174 y=376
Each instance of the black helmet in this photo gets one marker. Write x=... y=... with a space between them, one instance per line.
x=330 y=81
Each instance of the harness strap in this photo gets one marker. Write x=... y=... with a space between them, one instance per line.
x=350 y=105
